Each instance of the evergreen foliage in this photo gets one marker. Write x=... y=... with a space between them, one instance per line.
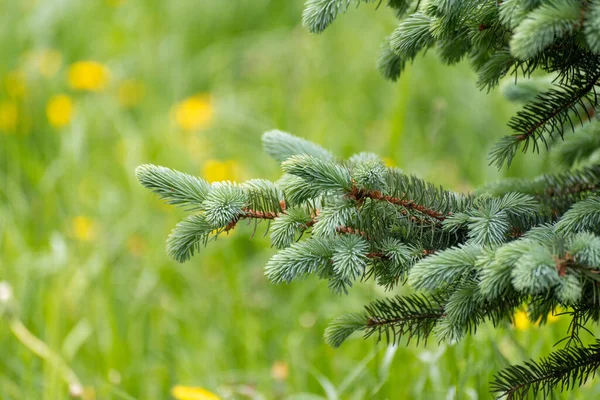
x=532 y=243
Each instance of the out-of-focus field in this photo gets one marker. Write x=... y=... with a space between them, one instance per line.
x=91 y=89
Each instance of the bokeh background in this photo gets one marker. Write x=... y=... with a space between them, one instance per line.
x=92 y=306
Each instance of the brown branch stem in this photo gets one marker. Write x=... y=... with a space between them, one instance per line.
x=358 y=195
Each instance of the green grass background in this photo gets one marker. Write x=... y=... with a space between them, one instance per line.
x=134 y=324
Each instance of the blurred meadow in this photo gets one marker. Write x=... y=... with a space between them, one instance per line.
x=92 y=306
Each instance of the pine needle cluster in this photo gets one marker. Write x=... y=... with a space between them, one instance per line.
x=470 y=258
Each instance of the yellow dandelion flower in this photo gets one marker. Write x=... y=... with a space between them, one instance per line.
x=131 y=92
x=16 y=84
x=521 y=321
x=83 y=228
x=88 y=75
x=49 y=62
x=194 y=113
x=192 y=393
x=216 y=171
x=59 y=110
x=9 y=116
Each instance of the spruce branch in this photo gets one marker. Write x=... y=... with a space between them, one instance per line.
x=400 y=6
x=512 y=12
x=342 y=327
x=412 y=36
x=358 y=195
x=524 y=91
x=466 y=308
x=224 y=203
x=188 y=236
x=368 y=173
x=493 y=221
x=548 y=114
x=175 y=187
x=555 y=192
x=444 y=268
x=540 y=306
x=310 y=256
x=390 y=64
x=496 y=267
x=585 y=249
x=323 y=175
x=584 y=215
x=579 y=147
x=328 y=176
x=563 y=368
x=511 y=35
x=263 y=195
x=536 y=272
x=401 y=317
x=542 y=26
x=581 y=313
x=353 y=231
x=248 y=213
x=428 y=200
x=289 y=225
x=479 y=257
x=393 y=261
x=319 y=14
x=281 y=146
x=333 y=217
x=591 y=26
x=297 y=192
x=350 y=258
x=494 y=68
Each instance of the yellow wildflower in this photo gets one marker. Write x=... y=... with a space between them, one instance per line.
x=521 y=321
x=88 y=75
x=131 y=92
x=83 y=228
x=59 y=110
x=192 y=393
x=193 y=113
x=216 y=171
x=16 y=84
x=9 y=116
